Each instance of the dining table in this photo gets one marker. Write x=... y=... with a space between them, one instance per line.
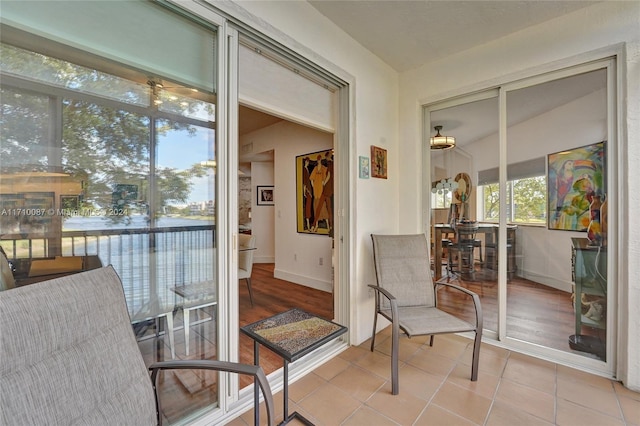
x=489 y=229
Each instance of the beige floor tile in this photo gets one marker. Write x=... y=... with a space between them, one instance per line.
x=571 y=374
x=403 y=408
x=248 y=419
x=503 y=414
x=450 y=346
x=332 y=368
x=491 y=361
x=622 y=391
x=377 y=363
x=367 y=416
x=406 y=349
x=463 y=402
x=529 y=371
x=589 y=396
x=429 y=361
x=486 y=384
x=571 y=414
x=329 y=405
x=438 y=416
x=495 y=351
x=630 y=410
x=305 y=386
x=354 y=353
x=417 y=382
x=532 y=401
x=358 y=383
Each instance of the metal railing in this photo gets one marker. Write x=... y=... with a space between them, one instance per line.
x=149 y=261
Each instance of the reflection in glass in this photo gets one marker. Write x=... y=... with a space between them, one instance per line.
x=475 y=127
x=565 y=276
x=93 y=169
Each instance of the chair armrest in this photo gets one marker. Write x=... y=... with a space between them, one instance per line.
x=231 y=367
x=386 y=294
x=392 y=301
x=474 y=296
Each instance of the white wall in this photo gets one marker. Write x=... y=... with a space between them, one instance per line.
x=566 y=40
x=297 y=256
x=263 y=217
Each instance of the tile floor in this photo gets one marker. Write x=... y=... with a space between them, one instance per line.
x=512 y=389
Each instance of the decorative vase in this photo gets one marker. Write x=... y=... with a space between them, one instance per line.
x=594 y=231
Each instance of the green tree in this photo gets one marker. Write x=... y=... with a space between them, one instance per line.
x=102 y=145
x=529 y=196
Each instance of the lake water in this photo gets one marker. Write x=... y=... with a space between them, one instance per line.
x=82 y=223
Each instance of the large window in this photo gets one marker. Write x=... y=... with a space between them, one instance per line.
x=526 y=201
x=108 y=157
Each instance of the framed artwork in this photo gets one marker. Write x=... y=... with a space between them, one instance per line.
x=573 y=178
x=378 y=162
x=265 y=196
x=314 y=193
x=363 y=167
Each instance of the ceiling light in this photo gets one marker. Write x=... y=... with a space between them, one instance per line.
x=442 y=142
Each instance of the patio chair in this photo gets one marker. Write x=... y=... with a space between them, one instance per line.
x=406 y=295
x=69 y=356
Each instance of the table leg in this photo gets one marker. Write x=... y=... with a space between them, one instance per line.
x=187 y=328
x=256 y=391
x=437 y=257
x=285 y=396
x=285 y=391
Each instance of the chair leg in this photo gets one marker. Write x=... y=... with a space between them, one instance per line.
x=395 y=341
x=373 y=334
x=250 y=291
x=431 y=340
x=476 y=356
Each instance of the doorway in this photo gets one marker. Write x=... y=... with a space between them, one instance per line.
x=283 y=116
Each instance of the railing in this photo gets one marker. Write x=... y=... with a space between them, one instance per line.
x=149 y=261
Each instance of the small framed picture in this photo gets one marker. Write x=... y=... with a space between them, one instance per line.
x=378 y=162
x=363 y=163
x=265 y=196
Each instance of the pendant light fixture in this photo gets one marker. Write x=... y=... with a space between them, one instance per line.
x=442 y=142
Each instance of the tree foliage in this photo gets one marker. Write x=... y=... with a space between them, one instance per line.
x=101 y=144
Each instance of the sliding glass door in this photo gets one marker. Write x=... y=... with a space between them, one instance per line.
x=538 y=155
x=557 y=169
x=108 y=157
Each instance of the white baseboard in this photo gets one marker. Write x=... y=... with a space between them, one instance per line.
x=303 y=280
x=548 y=281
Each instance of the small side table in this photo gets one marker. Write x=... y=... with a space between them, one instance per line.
x=291 y=335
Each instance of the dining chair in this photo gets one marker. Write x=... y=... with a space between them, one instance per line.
x=406 y=295
x=247 y=245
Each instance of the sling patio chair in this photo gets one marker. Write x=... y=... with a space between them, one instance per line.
x=69 y=356
x=406 y=295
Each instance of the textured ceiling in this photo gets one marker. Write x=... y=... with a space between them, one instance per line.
x=408 y=34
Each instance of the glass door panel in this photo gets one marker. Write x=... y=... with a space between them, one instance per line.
x=463 y=197
x=113 y=165
x=557 y=185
